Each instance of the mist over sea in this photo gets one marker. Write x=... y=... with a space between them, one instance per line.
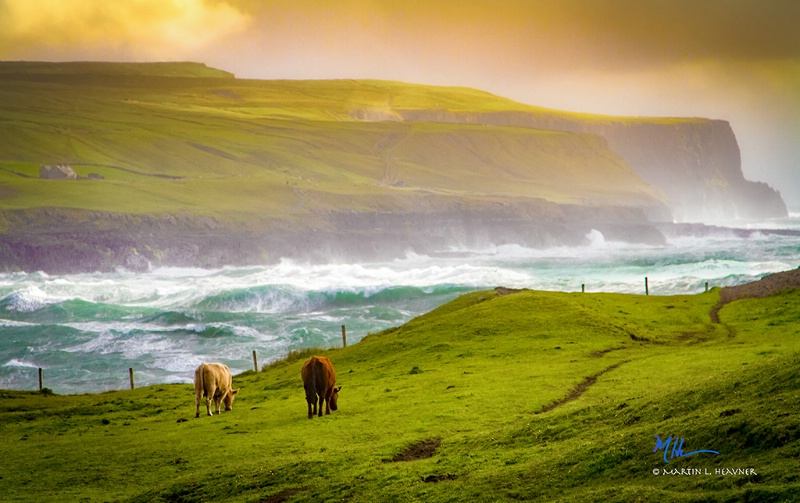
x=86 y=330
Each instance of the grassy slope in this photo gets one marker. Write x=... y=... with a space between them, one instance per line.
x=243 y=148
x=167 y=69
x=479 y=374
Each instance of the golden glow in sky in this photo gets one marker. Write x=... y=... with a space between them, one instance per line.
x=737 y=60
x=131 y=29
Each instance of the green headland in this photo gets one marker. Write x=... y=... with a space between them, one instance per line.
x=181 y=164
x=238 y=150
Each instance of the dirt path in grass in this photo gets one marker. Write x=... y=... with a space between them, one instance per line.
x=579 y=389
x=766 y=286
x=769 y=285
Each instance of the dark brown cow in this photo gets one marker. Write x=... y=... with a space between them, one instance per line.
x=213 y=381
x=319 y=379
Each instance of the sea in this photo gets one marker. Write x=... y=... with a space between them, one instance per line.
x=85 y=331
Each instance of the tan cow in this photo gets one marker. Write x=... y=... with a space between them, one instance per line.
x=213 y=381
x=319 y=379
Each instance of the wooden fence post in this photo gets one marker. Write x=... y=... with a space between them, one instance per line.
x=130 y=373
x=706 y=286
x=255 y=361
x=40 y=379
x=583 y=288
x=344 y=336
x=646 y=287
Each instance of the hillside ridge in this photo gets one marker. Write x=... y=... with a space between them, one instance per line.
x=193 y=158
x=155 y=69
x=434 y=410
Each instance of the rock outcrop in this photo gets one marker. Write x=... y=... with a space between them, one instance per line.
x=57 y=172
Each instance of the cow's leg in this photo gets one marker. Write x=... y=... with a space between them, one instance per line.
x=209 y=399
x=217 y=402
x=311 y=401
x=321 y=399
x=328 y=402
x=198 y=397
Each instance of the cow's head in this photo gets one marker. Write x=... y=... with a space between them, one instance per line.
x=228 y=399
x=335 y=398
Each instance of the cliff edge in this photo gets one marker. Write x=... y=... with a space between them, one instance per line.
x=695 y=162
x=181 y=164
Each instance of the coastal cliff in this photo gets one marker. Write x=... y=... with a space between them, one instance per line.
x=183 y=165
x=695 y=162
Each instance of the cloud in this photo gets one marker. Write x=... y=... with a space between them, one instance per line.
x=124 y=30
x=603 y=35
x=612 y=35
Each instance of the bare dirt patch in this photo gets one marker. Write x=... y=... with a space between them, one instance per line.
x=508 y=291
x=7 y=192
x=439 y=478
x=283 y=495
x=601 y=353
x=418 y=450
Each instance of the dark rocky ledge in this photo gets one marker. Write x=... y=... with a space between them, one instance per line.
x=60 y=241
x=71 y=241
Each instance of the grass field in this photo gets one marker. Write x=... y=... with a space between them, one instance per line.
x=186 y=138
x=530 y=396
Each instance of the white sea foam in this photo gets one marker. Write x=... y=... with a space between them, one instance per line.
x=290 y=282
x=137 y=319
x=596 y=239
x=120 y=328
x=14 y=362
x=28 y=299
x=12 y=323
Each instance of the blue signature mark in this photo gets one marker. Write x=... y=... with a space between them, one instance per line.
x=677 y=448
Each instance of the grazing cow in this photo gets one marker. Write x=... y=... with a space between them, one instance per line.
x=319 y=378
x=213 y=381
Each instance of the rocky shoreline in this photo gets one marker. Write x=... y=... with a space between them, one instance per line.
x=60 y=241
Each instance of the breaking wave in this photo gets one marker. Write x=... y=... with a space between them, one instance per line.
x=88 y=329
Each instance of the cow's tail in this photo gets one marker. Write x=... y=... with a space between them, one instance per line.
x=202 y=381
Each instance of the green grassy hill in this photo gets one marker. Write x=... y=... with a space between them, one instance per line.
x=182 y=137
x=532 y=396
x=184 y=165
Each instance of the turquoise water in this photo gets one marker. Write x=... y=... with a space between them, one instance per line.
x=86 y=330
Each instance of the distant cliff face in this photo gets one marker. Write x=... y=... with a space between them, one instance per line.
x=695 y=162
x=331 y=170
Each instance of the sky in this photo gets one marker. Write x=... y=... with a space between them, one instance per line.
x=736 y=60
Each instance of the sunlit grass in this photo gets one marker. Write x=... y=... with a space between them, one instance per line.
x=474 y=376
x=237 y=149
